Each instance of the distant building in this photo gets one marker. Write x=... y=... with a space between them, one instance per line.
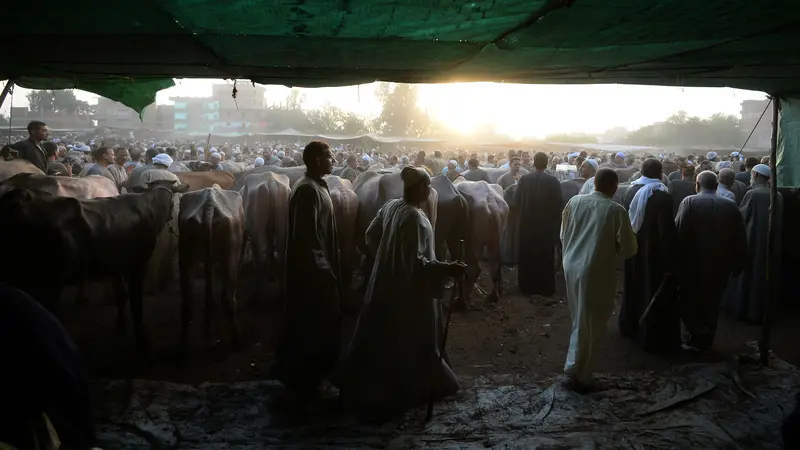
x=21 y=115
x=109 y=113
x=221 y=113
x=751 y=111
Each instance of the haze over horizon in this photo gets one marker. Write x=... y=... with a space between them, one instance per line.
x=531 y=111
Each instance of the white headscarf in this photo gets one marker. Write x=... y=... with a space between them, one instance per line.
x=639 y=203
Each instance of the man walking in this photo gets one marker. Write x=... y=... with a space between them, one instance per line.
x=540 y=202
x=707 y=263
x=309 y=349
x=595 y=232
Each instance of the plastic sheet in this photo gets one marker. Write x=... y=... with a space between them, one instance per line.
x=694 y=406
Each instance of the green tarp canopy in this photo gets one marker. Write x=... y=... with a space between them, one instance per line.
x=127 y=50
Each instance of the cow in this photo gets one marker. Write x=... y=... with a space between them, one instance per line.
x=452 y=218
x=509 y=247
x=488 y=212
x=88 y=240
x=373 y=190
x=211 y=224
x=266 y=208
x=10 y=168
x=294 y=174
x=202 y=180
x=496 y=172
x=94 y=186
x=164 y=262
x=345 y=207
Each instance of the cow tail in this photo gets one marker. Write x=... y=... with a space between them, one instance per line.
x=208 y=220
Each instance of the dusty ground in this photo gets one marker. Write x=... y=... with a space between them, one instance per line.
x=517 y=335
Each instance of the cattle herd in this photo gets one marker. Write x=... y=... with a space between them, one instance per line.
x=64 y=231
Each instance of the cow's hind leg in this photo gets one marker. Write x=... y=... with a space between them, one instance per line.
x=135 y=288
x=185 y=275
x=231 y=276
x=121 y=300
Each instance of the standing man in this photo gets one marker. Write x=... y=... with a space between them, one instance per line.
x=475 y=173
x=744 y=176
x=595 y=232
x=309 y=349
x=680 y=189
x=136 y=174
x=708 y=263
x=539 y=201
x=511 y=177
x=753 y=286
x=136 y=156
x=117 y=169
x=103 y=157
x=31 y=149
x=350 y=171
x=726 y=179
x=54 y=167
x=573 y=187
x=651 y=214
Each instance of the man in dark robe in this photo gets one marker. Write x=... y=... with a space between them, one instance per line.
x=539 y=202
x=309 y=349
x=753 y=288
x=571 y=188
x=711 y=235
x=683 y=187
x=650 y=272
x=744 y=176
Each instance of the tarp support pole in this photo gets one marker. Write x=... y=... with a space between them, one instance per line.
x=9 y=85
x=766 y=328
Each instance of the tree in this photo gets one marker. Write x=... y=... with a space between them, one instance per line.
x=295 y=100
x=333 y=120
x=58 y=101
x=400 y=115
x=680 y=129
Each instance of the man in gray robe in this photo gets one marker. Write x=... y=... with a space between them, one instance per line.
x=684 y=187
x=475 y=173
x=395 y=359
x=707 y=262
x=309 y=348
x=753 y=288
x=511 y=178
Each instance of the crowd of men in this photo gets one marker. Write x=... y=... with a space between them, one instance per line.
x=581 y=212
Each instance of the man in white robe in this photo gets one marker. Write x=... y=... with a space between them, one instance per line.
x=394 y=360
x=595 y=233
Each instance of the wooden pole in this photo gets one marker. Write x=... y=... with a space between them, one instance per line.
x=772 y=274
x=4 y=94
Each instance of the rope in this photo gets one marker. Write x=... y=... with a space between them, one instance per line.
x=10 y=110
x=756 y=126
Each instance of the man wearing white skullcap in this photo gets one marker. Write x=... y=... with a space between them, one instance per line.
x=748 y=304
x=162 y=159
x=711 y=156
x=619 y=161
x=258 y=162
x=587 y=171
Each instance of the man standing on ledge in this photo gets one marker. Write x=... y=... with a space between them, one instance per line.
x=309 y=349
x=595 y=232
x=539 y=201
x=31 y=149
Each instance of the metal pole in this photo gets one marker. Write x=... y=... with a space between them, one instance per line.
x=772 y=274
x=3 y=95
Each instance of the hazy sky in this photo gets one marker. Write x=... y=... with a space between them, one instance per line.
x=517 y=110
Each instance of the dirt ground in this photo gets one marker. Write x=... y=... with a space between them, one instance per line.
x=517 y=335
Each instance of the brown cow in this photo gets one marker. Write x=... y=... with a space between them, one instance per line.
x=10 y=168
x=94 y=186
x=202 y=180
x=266 y=206
x=211 y=225
x=345 y=206
x=487 y=219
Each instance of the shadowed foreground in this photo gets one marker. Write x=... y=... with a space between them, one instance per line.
x=688 y=406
